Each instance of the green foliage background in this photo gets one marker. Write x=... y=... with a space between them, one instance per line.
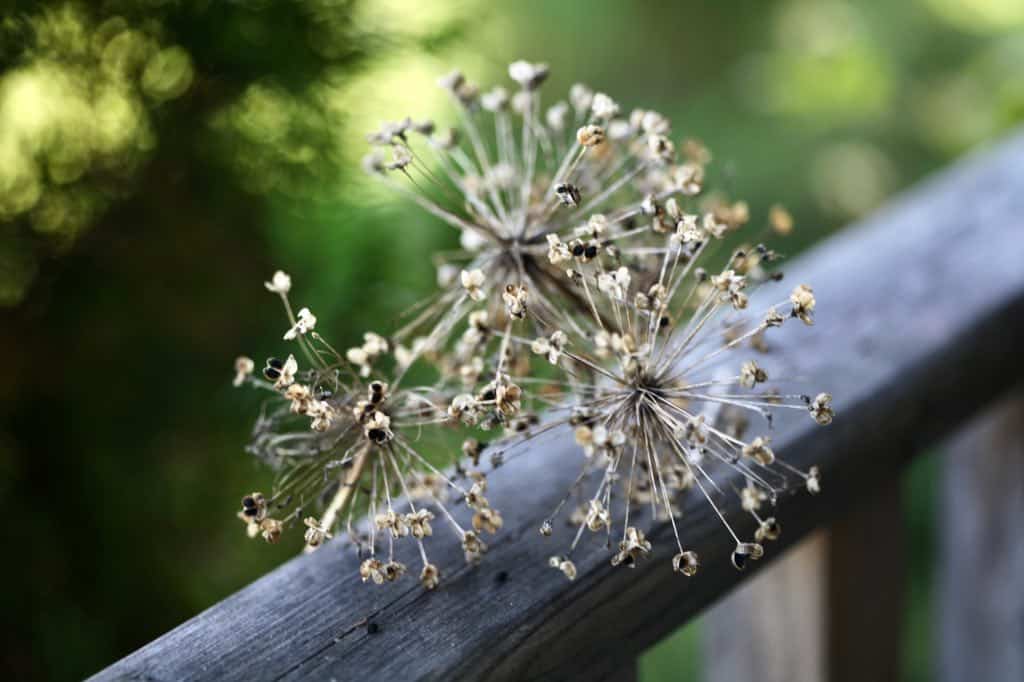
x=160 y=158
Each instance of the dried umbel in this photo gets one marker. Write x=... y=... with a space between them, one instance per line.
x=531 y=189
x=657 y=383
x=345 y=441
x=599 y=292
x=598 y=288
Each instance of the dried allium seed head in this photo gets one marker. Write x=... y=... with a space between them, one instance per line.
x=339 y=435
x=630 y=346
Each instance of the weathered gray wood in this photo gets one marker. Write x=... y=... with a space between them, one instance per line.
x=832 y=608
x=920 y=312
x=773 y=628
x=981 y=562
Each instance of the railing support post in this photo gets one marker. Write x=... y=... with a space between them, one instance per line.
x=830 y=609
x=981 y=560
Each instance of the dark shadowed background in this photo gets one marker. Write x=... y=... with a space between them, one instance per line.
x=160 y=158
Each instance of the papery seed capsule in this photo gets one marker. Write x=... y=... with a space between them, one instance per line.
x=686 y=563
x=744 y=552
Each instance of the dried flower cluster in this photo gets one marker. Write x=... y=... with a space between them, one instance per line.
x=343 y=438
x=599 y=294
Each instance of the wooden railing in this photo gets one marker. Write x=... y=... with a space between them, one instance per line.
x=920 y=326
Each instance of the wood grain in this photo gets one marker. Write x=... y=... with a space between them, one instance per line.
x=981 y=559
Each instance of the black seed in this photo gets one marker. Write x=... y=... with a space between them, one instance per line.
x=590 y=251
x=577 y=250
x=250 y=511
x=276 y=363
x=377 y=435
x=739 y=560
x=272 y=373
x=248 y=502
